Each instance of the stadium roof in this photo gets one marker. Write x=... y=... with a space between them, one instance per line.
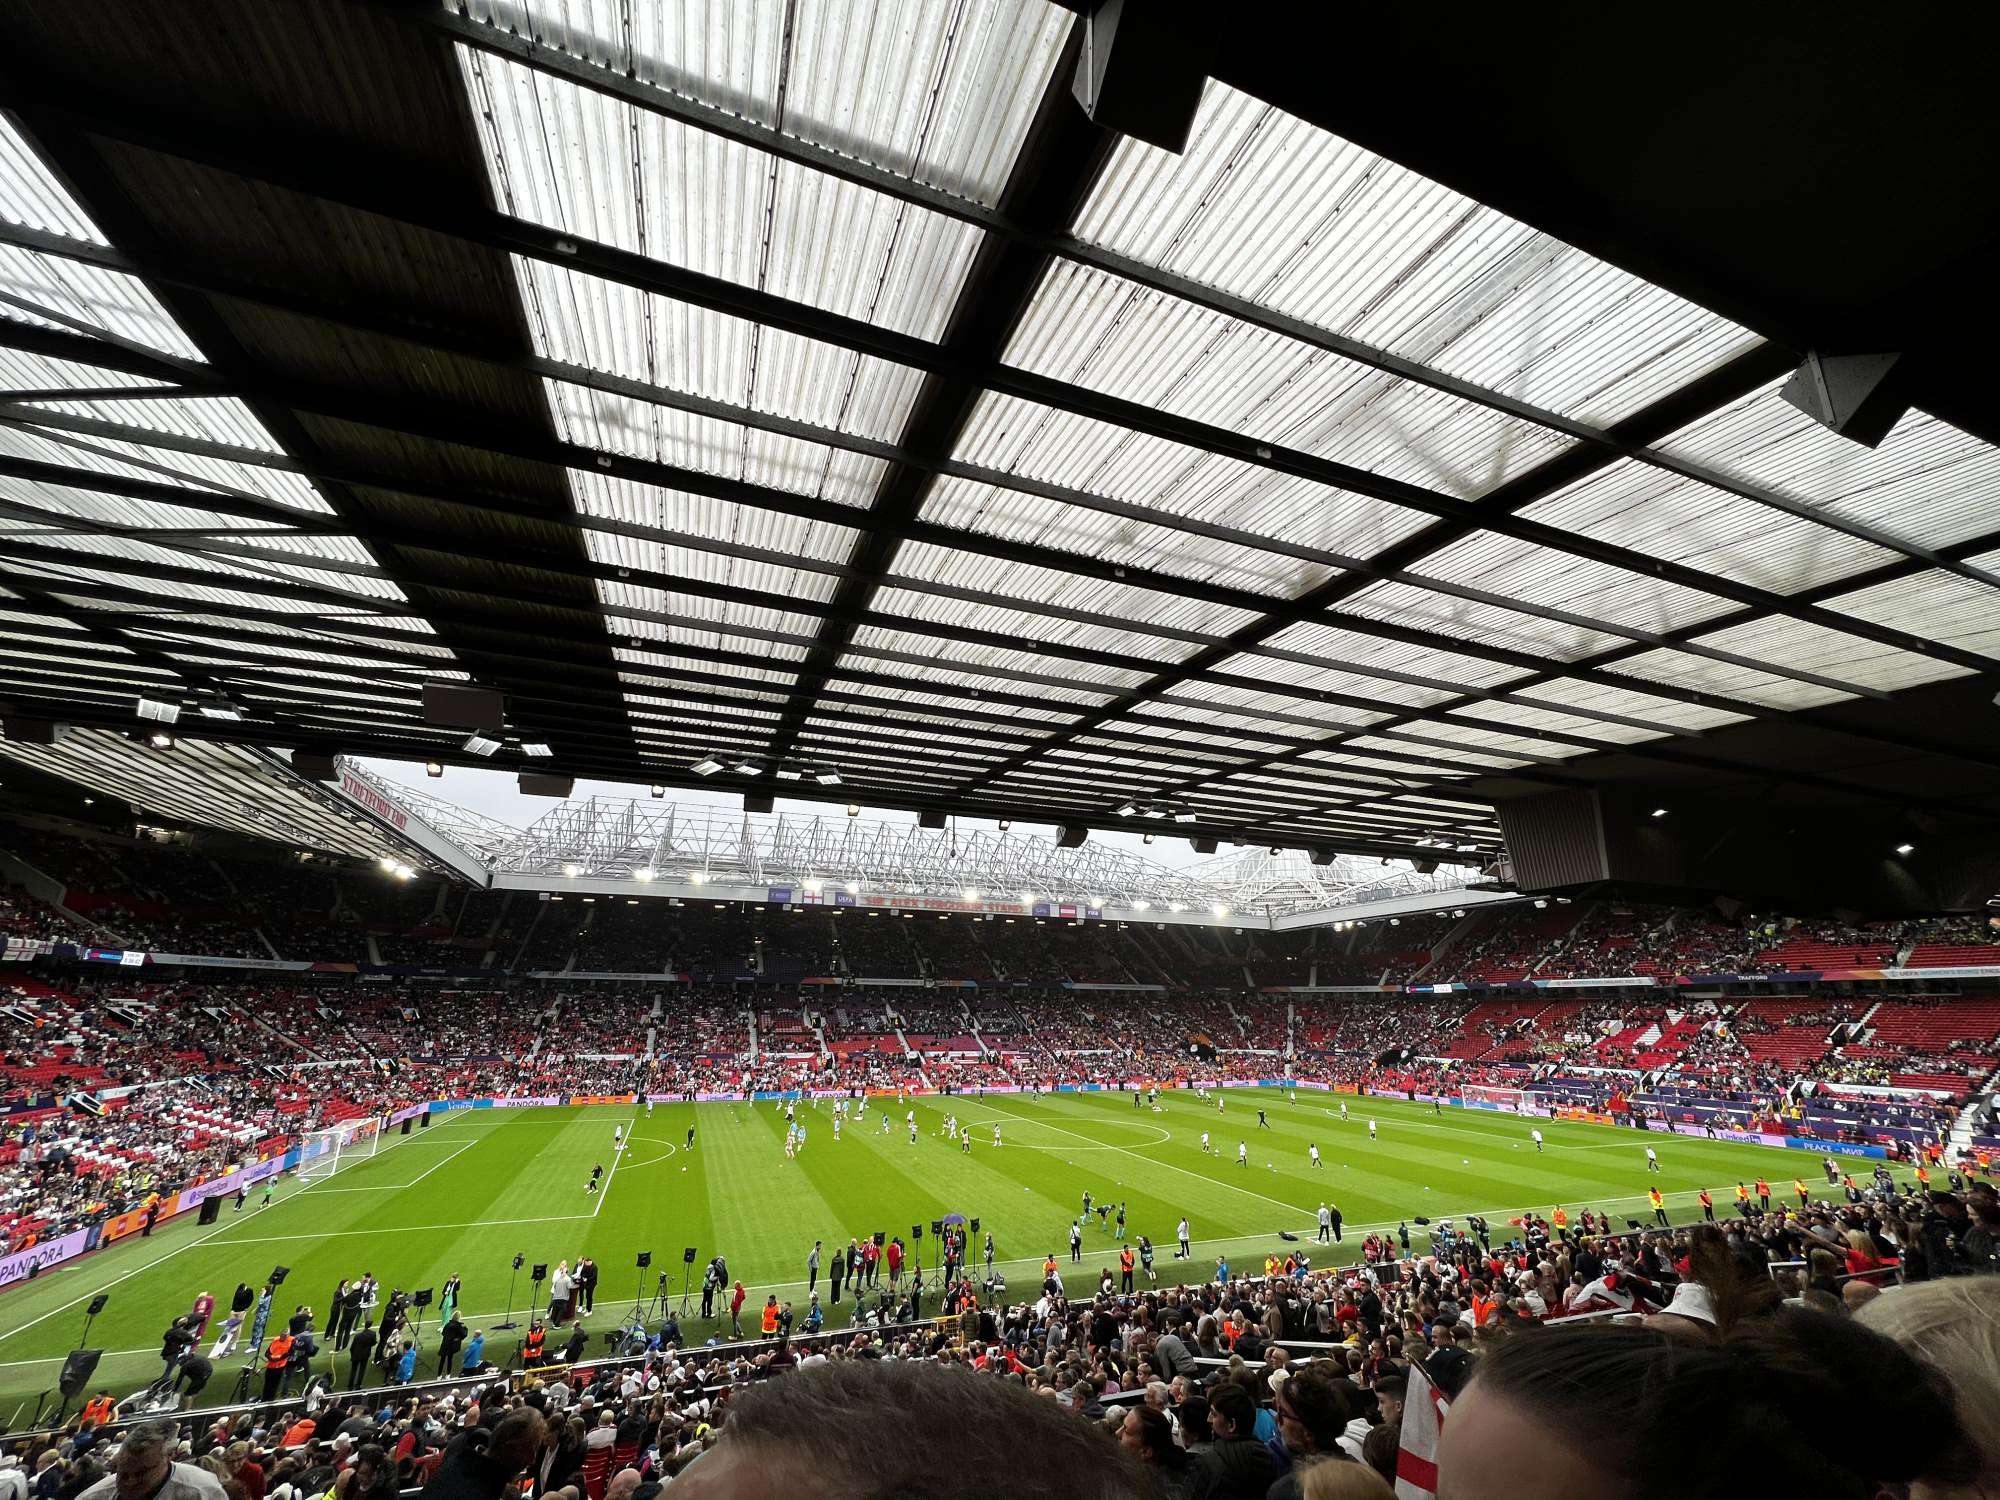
x=816 y=388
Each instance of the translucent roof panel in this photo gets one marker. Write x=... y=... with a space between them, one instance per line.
x=30 y=194
x=1928 y=483
x=932 y=90
x=1038 y=442
x=642 y=429
x=925 y=562
x=1118 y=540
x=1269 y=208
x=1664 y=515
x=578 y=161
x=1935 y=605
x=66 y=294
x=605 y=325
x=1094 y=330
x=129 y=459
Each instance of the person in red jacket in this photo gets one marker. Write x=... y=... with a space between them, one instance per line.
x=736 y=1296
x=893 y=1254
x=871 y=1260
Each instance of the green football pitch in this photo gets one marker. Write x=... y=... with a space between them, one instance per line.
x=479 y=1185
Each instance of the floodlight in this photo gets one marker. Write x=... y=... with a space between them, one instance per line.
x=1142 y=904
x=642 y=874
x=854 y=809
x=159 y=739
x=572 y=871
x=971 y=895
x=1220 y=910
x=537 y=749
x=1128 y=809
x=708 y=765
x=789 y=773
x=479 y=744
x=1184 y=815
x=697 y=877
x=748 y=768
x=1906 y=848
x=158 y=712
x=1659 y=812
x=387 y=864
x=434 y=768
x=827 y=777
x=658 y=791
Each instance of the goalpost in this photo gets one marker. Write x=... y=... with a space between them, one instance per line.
x=1493 y=1096
x=324 y=1152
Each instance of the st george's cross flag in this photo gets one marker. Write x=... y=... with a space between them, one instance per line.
x=1424 y=1406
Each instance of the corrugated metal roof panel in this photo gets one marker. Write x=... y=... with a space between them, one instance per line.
x=1270 y=208
x=1525 y=570
x=1935 y=605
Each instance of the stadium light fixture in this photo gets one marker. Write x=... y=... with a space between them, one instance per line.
x=158 y=712
x=1028 y=896
x=434 y=768
x=159 y=739
x=697 y=877
x=1541 y=906
x=970 y=895
x=827 y=776
x=388 y=865
x=404 y=872
x=748 y=768
x=1153 y=810
x=1219 y=909
x=1275 y=851
x=642 y=874
x=1145 y=838
x=812 y=887
x=1128 y=810
x=220 y=708
x=1005 y=824
x=853 y=888
x=572 y=871
x=788 y=773
x=1175 y=906
x=1659 y=812
x=658 y=791
x=536 y=749
x=708 y=765
x=1142 y=904
x=1906 y=848
x=1395 y=921
x=479 y=744
x=854 y=809
x=1184 y=815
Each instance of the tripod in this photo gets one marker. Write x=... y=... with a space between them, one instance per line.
x=687 y=1273
x=513 y=1276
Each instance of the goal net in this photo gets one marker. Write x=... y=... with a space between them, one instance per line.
x=324 y=1152
x=1493 y=1096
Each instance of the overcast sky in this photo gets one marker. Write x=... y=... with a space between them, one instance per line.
x=495 y=794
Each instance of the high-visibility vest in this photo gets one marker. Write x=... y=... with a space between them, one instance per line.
x=279 y=1353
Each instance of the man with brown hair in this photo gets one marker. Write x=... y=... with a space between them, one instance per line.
x=844 y=1431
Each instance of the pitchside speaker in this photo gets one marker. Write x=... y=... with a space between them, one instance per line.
x=1856 y=395
x=450 y=706
x=930 y=820
x=758 y=802
x=1137 y=72
x=32 y=731
x=533 y=784
x=425 y=1118
x=211 y=1209
x=78 y=1366
x=314 y=767
x=1070 y=837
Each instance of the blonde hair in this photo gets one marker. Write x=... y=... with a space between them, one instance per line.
x=1331 y=1479
x=1954 y=1324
